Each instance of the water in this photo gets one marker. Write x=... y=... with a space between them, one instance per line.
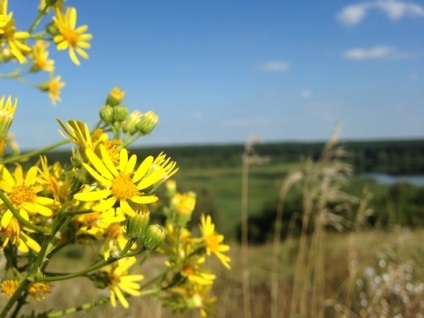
x=388 y=179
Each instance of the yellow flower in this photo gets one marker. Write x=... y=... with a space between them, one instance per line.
x=8 y=32
x=53 y=87
x=22 y=192
x=200 y=300
x=184 y=203
x=194 y=273
x=167 y=167
x=51 y=179
x=121 y=183
x=7 y=113
x=119 y=281
x=10 y=231
x=115 y=240
x=70 y=37
x=77 y=131
x=95 y=224
x=39 y=290
x=9 y=286
x=40 y=56
x=213 y=241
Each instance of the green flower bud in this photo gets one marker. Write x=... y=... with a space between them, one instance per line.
x=52 y=29
x=155 y=235
x=106 y=114
x=130 y=124
x=120 y=113
x=137 y=225
x=115 y=97
x=147 y=122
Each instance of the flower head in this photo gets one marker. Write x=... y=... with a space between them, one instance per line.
x=40 y=56
x=9 y=33
x=9 y=286
x=213 y=241
x=7 y=113
x=39 y=290
x=119 y=281
x=69 y=37
x=10 y=231
x=53 y=87
x=121 y=183
x=22 y=191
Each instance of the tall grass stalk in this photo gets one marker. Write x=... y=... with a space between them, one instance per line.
x=275 y=279
x=322 y=202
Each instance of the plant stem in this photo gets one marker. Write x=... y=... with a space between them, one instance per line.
x=33 y=153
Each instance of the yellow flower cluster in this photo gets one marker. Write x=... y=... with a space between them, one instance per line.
x=30 y=48
x=101 y=196
x=104 y=199
x=187 y=254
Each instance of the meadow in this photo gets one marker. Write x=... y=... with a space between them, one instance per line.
x=356 y=254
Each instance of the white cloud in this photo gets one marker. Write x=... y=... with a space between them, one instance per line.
x=306 y=94
x=198 y=114
x=377 y=52
x=274 y=66
x=394 y=9
x=246 y=122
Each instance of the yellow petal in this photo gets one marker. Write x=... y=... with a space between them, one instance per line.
x=98 y=164
x=142 y=169
x=146 y=199
x=108 y=161
x=30 y=177
x=92 y=196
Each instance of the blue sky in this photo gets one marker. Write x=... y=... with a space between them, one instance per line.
x=220 y=71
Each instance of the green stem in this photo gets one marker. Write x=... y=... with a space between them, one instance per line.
x=21 y=220
x=33 y=153
x=82 y=272
x=91 y=268
x=38 y=19
x=90 y=305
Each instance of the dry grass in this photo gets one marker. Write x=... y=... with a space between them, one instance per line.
x=396 y=248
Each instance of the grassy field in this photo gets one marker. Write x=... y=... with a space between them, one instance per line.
x=360 y=273
x=392 y=262
x=224 y=185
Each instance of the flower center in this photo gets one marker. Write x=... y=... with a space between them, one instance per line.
x=188 y=270
x=114 y=231
x=22 y=194
x=212 y=242
x=71 y=37
x=91 y=219
x=9 y=286
x=123 y=187
x=12 y=229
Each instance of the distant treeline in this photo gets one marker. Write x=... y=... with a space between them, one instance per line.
x=385 y=156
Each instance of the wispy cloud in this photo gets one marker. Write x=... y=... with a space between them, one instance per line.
x=306 y=94
x=246 y=122
x=373 y=53
x=274 y=66
x=394 y=9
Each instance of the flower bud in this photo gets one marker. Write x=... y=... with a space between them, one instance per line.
x=171 y=188
x=7 y=113
x=130 y=124
x=155 y=235
x=106 y=114
x=147 y=122
x=52 y=29
x=137 y=225
x=184 y=205
x=120 y=113
x=115 y=97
